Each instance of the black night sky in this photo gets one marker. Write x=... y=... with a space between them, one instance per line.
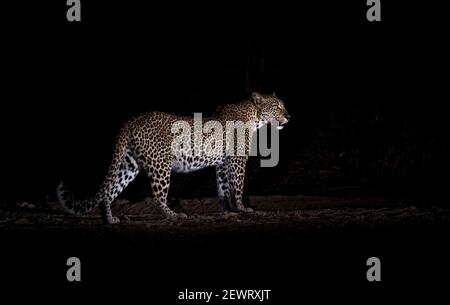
x=371 y=89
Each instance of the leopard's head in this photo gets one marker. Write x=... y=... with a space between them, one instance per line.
x=270 y=109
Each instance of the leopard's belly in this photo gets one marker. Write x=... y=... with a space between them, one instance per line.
x=187 y=164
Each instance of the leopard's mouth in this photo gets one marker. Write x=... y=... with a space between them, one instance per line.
x=282 y=124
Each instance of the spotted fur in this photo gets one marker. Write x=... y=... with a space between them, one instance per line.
x=145 y=144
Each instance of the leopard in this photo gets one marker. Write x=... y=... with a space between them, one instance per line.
x=147 y=143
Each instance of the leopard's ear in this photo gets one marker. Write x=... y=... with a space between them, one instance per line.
x=257 y=98
x=273 y=94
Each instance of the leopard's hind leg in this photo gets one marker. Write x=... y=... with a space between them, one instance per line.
x=122 y=171
x=159 y=170
x=116 y=181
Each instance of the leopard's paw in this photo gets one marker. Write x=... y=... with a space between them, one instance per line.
x=112 y=220
x=181 y=215
x=246 y=210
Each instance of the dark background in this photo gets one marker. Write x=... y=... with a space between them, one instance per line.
x=368 y=107
x=367 y=99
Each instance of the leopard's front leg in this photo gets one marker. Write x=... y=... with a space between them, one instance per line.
x=223 y=189
x=236 y=173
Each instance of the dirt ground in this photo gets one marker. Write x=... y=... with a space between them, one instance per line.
x=304 y=213
x=302 y=236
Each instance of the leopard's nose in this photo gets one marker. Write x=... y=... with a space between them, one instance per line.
x=287 y=116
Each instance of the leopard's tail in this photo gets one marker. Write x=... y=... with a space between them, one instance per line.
x=122 y=171
x=70 y=205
